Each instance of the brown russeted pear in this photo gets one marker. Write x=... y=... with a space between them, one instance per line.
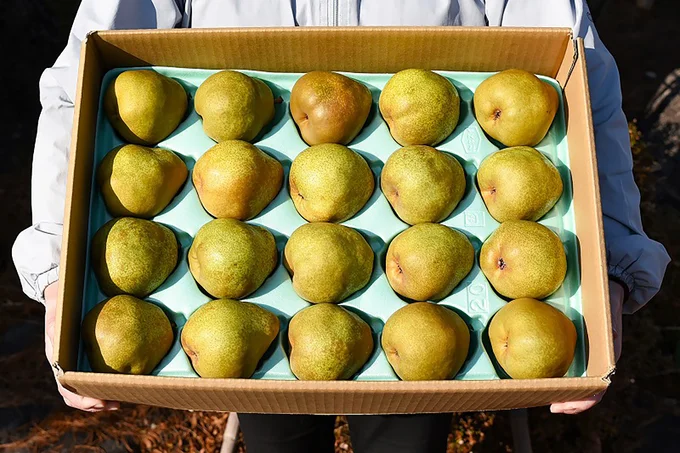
x=329 y=107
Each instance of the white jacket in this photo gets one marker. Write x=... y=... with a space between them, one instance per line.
x=633 y=258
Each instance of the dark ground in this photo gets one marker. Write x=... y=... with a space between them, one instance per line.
x=640 y=413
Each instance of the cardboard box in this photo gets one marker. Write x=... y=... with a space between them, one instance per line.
x=550 y=52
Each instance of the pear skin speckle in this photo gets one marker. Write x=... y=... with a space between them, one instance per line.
x=144 y=107
x=133 y=256
x=515 y=107
x=227 y=338
x=330 y=183
x=328 y=343
x=425 y=341
x=328 y=262
x=532 y=340
x=422 y=184
x=420 y=107
x=138 y=181
x=523 y=259
x=519 y=183
x=127 y=335
x=231 y=259
x=427 y=261
x=234 y=106
x=236 y=180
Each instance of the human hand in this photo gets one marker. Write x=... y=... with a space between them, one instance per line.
x=71 y=399
x=616 y=294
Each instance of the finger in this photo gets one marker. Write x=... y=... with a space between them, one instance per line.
x=86 y=403
x=575 y=407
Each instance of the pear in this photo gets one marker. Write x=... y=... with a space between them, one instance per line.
x=234 y=106
x=515 y=107
x=328 y=262
x=127 y=335
x=329 y=107
x=422 y=184
x=420 y=107
x=523 y=259
x=328 y=343
x=144 y=107
x=532 y=340
x=518 y=183
x=133 y=256
x=427 y=261
x=424 y=341
x=138 y=181
x=231 y=259
x=226 y=338
x=236 y=180
x=330 y=183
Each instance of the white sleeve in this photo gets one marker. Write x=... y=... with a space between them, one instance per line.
x=36 y=250
x=632 y=258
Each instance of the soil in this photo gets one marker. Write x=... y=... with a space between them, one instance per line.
x=641 y=411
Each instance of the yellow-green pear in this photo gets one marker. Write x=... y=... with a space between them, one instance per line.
x=515 y=107
x=328 y=262
x=328 y=343
x=236 y=180
x=329 y=107
x=133 y=256
x=227 y=338
x=427 y=261
x=137 y=181
x=523 y=259
x=143 y=106
x=518 y=183
x=127 y=335
x=424 y=341
x=234 y=106
x=231 y=259
x=532 y=340
x=422 y=184
x=420 y=107
x=330 y=183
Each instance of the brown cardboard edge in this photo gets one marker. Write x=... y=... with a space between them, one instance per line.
x=414 y=30
x=573 y=71
x=608 y=333
x=224 y=48
x=331 y=397
x=71 y=271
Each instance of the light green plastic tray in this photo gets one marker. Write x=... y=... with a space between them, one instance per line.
x=474 y=298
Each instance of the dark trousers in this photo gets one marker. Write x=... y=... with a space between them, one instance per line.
x=421 y=433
